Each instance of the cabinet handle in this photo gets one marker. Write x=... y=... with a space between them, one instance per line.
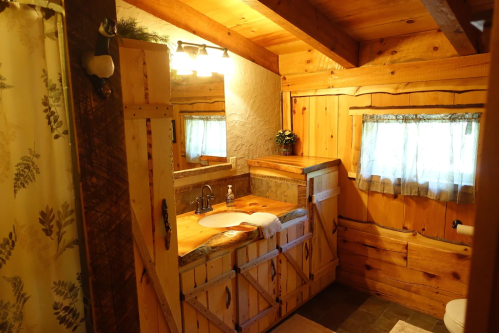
x=306 y=251
x=274 y=271
x=335 y=226
x=229 y=297
x=166 y=220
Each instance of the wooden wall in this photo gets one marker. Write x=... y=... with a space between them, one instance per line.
x=384 y=242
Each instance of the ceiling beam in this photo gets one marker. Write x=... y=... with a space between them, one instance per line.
x=454 y=19
x=189 y=19
x=302 y=19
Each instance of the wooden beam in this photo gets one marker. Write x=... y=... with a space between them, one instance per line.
x=454 y=19
x=429 y=109
x=302 y=19
x=434 y=70
x=187 y=18
x=153 y=275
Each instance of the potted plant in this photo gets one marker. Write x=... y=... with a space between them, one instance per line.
x=286 y=139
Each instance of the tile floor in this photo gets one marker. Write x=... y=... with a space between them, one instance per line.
x=346 y=310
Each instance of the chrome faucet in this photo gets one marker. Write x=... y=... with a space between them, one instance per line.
x=203 y=203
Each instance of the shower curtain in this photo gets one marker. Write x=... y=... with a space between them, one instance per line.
x=40 y=282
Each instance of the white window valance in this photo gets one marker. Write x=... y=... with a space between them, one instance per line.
x=422 y=155
x=204 y=135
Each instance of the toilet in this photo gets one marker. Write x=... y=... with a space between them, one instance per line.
x=455 y=312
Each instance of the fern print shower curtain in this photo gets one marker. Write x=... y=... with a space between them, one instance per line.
x=40 y=287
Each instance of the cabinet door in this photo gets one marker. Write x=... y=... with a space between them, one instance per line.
x=256 y=285
x=207 y=297
x=323 y=212
x=293 y=267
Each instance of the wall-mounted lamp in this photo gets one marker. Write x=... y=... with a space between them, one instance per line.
x=202 y=62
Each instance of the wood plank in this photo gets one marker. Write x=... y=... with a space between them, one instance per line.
x=292 y=275
x=425 y=215
x=433 y=70
x=210 y=316
x=324 y=270
x=242 y=288
x=306 y=61
x=329 y=241
x=200 y=277
x=300 y=125
x=187 y=18
x=397 y=258
x=262 y=291
x=294 y=164
x=286 y=247
x=437 y=109
x=286 y=111
x=454 y=20
x=305 y=21
x=373 y=241
x=323 y=134
x=319 y=197
x=189 y=320
x=151 y=271
x=263 y=279
x=255 y=262
x=208 y=285
x=422 y=46
x=386 y=209
x=455 y=85
x=297 y=268
x=143 y=111
x=253 y=293
x=431 y=98
x=244 y=326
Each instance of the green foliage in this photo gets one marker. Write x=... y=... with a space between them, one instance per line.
x=4 y=85
x=66 y=311
x=26 y=170
x=12 y=314
x=129 y=28
x=7 y=246
x=286 y=137
x=51 y=103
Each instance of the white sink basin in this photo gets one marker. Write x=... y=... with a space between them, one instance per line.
x=222 y=220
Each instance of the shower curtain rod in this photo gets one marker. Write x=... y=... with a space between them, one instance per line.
x=40 y=3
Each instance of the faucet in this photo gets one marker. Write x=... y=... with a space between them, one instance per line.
x=203 y=203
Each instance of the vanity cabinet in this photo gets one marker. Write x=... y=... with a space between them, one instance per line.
x=293 y=266
x=257 y=285
x=208 y=299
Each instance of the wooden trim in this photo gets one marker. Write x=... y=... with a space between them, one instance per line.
x=142 y=45
x=257 y=261
x=201 y=171
x=244 y=326
x=330 y=266
x=298 y=290
x=185 y=17
x=430 y=109
x=260 y=289
x=454 y=20
x=434 y=70
x=208 y=285
x=299 y=240
x=331 y=246
x=455 y=85
x=143 y=111
x=210 y=315
x=352 y=175
x=302 y=19
x=483 y=298
x=316 y=198
x=297 y=268
x=213 y=158
x=153 y=275
x=294 y=222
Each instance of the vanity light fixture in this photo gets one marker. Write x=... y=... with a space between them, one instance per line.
x=204 y=64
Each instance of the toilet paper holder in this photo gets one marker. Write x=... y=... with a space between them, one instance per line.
x=463 y=229
x=455 y=223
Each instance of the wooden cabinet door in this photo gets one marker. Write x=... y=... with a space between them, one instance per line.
x=293 y=267
x=207 y=293
x=256 y=285
x=323 y=212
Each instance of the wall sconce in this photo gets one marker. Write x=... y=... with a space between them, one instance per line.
x=203 y=64
x=99 y=63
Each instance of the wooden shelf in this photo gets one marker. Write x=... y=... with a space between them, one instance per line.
x=294 y=164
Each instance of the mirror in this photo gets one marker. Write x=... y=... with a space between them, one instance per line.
x=199 y=126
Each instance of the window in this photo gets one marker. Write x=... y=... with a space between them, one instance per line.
x=424 y=155
x=204 y=135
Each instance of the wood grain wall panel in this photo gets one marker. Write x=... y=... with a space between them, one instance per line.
x=432 y=98
x=323 y=139
x=286 y=110
x=301 y=116
x=386 y=209
x=425 y=215
x=390 y=99
x=307 y=61
x=463 y=212
x=102 y=164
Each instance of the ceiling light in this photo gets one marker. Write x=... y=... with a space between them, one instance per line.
x=203 y=63
x=225 y=65
x=181 y=60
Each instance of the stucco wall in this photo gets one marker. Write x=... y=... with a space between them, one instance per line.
x=252 y=95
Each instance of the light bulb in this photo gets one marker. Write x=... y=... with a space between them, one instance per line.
x=225 y=65
x=181 y=60
x=203 y=62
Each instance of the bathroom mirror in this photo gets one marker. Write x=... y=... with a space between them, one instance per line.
x=199 y=126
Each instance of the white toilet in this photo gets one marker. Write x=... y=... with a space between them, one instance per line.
x=455 y=312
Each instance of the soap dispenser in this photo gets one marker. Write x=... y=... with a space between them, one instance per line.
x=230 y=197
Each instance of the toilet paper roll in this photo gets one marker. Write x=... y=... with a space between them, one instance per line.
x=465 y=230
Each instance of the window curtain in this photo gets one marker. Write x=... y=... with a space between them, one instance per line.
x=204 y=135
x=432 y=156
x=40 y=282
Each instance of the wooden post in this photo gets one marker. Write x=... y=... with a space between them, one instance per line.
x=99 y=130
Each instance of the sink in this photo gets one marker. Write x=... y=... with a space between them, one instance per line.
x=222 y=220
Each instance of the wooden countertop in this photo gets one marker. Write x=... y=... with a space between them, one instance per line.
x=294 y=164
x=196 y=241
